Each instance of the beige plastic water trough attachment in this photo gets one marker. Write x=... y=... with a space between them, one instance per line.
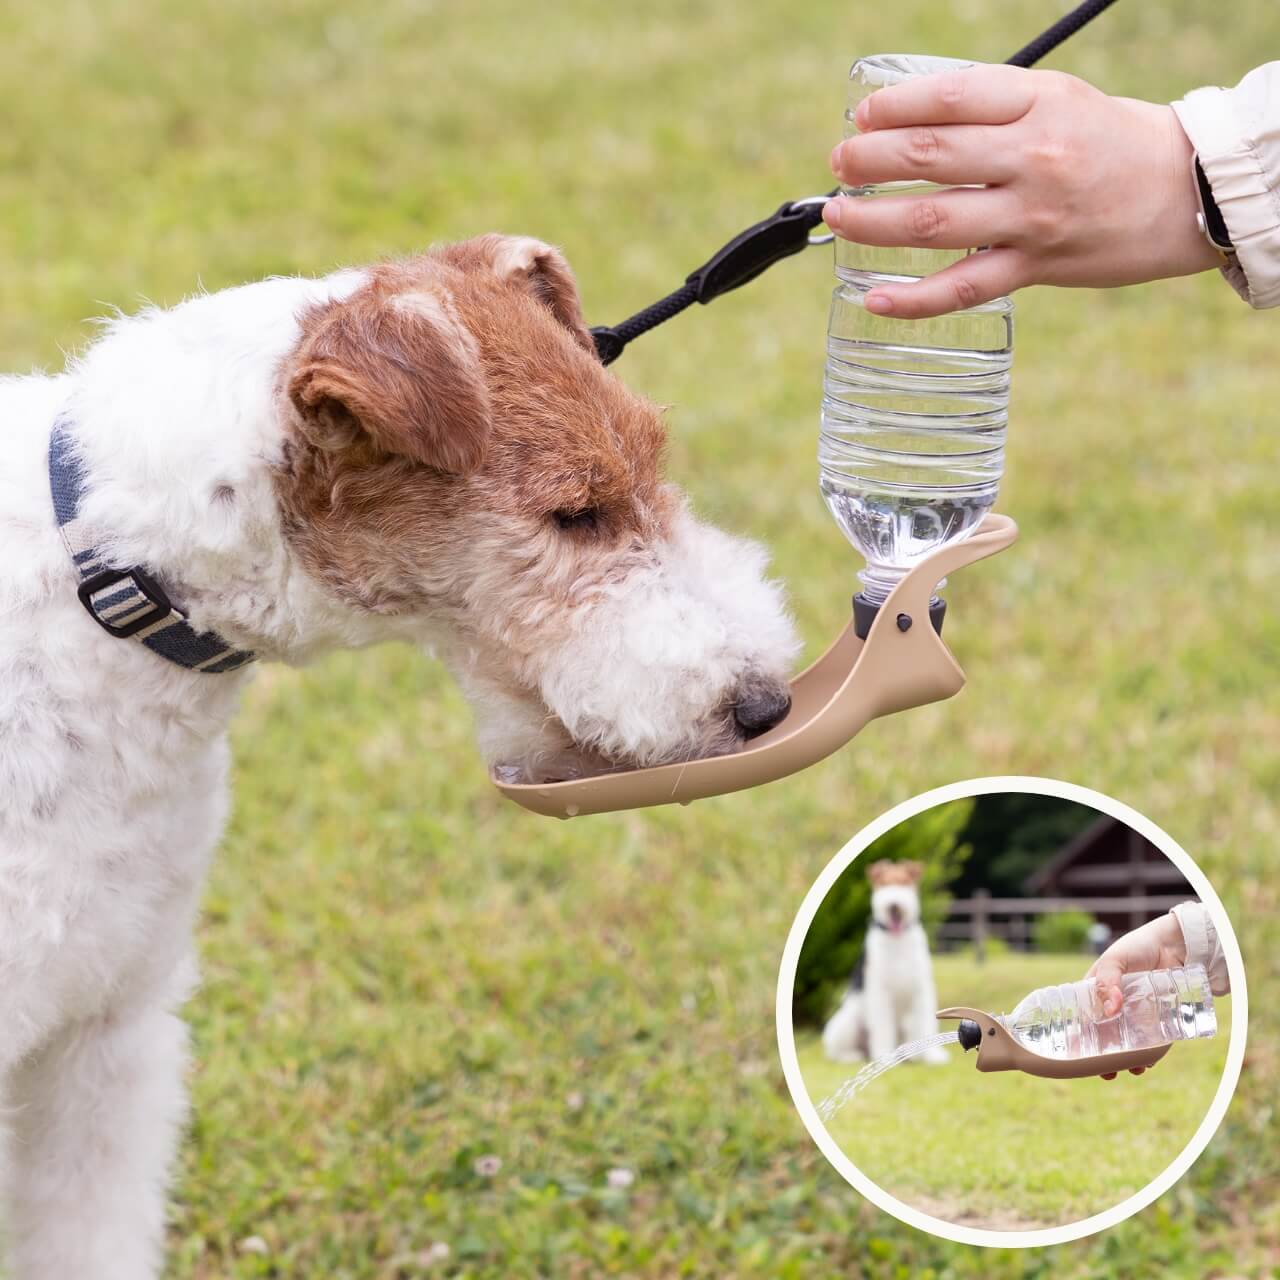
x=999 y=1051
x=902 y=663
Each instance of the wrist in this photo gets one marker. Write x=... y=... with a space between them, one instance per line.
x=1170 y=941
x=1189 y=251
x=1186 y=924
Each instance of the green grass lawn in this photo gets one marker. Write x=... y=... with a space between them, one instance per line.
x=1006 y=1150
x=404 y=974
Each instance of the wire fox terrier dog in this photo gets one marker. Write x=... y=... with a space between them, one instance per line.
x=425 y=451
x=891 y=999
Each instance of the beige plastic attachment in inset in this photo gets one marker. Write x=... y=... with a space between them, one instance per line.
x=902 y=663
x=999 y=1051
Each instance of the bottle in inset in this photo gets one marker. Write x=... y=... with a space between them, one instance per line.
x=1160 y=1006
x=914 y=412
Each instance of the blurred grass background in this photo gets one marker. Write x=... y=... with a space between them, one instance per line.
x=405 y=976
x=1006 y=1150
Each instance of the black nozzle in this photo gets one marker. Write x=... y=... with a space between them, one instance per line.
x=864 y=614
x=970 y=1034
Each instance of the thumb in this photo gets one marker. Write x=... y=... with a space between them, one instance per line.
x=1107 y=974
x=970 y=282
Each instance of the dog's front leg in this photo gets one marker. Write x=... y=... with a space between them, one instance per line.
x=95 y=1118
x=882 y=1019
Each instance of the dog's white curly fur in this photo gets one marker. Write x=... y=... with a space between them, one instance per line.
x=114 y=763
x=897 y=1001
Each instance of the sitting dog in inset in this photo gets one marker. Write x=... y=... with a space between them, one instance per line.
x=427 y=451
x=891 y=999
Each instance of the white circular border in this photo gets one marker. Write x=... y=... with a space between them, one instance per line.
x=976 y=1235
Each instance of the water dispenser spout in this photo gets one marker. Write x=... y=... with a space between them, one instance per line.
x=900 y=662
x=999 y=1051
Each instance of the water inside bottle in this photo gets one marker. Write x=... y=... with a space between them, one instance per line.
x=914 y=415
x=914 y=412
x=1160 y=1006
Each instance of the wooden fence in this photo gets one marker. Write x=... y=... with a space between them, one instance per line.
x=974 y=920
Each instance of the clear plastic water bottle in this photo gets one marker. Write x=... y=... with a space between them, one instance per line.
x=1160 y=1006
x=914 y=412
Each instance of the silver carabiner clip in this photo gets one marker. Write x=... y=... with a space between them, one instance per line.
x=804 y=202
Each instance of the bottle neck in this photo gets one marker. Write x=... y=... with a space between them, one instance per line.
x=879 y=579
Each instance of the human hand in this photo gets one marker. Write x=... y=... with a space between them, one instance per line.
x=1158 y=944
x=1079 y=188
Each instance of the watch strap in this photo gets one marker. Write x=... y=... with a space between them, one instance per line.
x=1213 y=226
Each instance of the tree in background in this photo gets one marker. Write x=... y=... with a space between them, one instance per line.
x=1013 y=834
x=838 y=932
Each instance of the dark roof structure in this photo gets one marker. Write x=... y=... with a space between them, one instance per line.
x=1109 y=860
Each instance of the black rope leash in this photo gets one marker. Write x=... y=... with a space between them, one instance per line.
x=745 y=256
x=787 y=230
x=1066 y=26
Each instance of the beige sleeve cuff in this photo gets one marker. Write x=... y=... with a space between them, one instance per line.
x=1203 y=945
x=1236 y=133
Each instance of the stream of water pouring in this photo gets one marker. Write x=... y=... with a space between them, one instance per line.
x=855 y=1084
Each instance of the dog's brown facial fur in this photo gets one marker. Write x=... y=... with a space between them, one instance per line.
x=885 y=873
x=457 y=455
x=451 y=394
x=457 y=461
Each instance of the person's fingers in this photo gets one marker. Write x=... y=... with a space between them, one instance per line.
x=955 y=153
x=1133 y=1071
x=957 y=219
x=976 y=95
x=1107 y=972
x=969 y=283
x=1112 y=999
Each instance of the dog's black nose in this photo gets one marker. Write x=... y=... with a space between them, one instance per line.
x=760 y=708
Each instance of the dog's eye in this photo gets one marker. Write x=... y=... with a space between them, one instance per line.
x=588 y=518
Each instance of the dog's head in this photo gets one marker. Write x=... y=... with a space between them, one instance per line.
x=458 y=459
x=895 y=894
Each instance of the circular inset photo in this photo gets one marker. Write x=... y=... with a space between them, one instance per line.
x=1012 y=1012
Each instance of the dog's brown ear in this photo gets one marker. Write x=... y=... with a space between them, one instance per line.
x=403 y=371
x=913 y=870
x=876 y=870
x=538 y=268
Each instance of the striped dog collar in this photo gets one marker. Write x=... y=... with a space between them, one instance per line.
x=126 y=603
